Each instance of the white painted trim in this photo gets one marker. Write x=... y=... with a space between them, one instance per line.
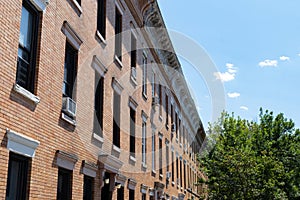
x=120 y=7
x=101 y=38
x=71 y=35
x=98 y=137
x=21 y=144
x=117 y=86
x=132 y=103
x=98 y=66
x=25 y=93
x=40 y=5
x=133 y=159
x=144 y=116
x=116 y=149
x=77 y=6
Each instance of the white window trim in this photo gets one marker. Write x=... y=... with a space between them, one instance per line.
x=71 y=35
x=25 y=93
x=98 y=66
x=21 y=144
x=40 y=5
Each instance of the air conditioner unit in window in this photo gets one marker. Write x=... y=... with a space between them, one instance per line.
x=155 y=100
x=168 y=175
x=173 y=127
x=69 y=106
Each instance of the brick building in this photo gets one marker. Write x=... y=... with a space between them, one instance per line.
x=93 y=103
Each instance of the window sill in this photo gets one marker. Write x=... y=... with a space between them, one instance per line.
x=98 y=137
x=173 y=183
x=144 y=96
x=25 y=93
x=133 y=80
x=176 y=140
x=180 y=145
x=133 y=159
x=68 y=119
x=118 y=62
x=101 y=38
x=161 y=176
x=77 y=6
x=144 y=166
x=153 y=171
x=160 y=118
x=116 y=149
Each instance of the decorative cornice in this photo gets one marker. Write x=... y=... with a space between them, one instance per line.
x=98 y=65
x=144 y=188
x=21 y=144
x=66 y=160
x=71 y=35
x=131 y=184
x=110 y=163
x=116 y=85
x=121 y=179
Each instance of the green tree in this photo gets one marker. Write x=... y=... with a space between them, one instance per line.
x=252 y=160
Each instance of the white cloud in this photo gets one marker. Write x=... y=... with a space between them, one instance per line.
x=284 y=58
x=268 y=63
x=233 y=95
x=229 y=75
x=229 y=65
x=224 y=77
x=298 y=54
x=244 y=108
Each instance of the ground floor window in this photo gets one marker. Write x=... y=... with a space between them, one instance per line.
x=17 y=177
x=64 y=184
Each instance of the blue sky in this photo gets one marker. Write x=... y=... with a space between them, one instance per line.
x=255 y=45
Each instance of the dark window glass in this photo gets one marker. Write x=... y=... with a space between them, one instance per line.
x=173 y=167
x=184 y=170
x=120 y=193
x=167 y=107
x=70 y=70
x=101 y=16
x=132 y=132
x=116 y=123
x=64 y=184
x=25 y=76
x=167 y=157
x=160 y=156
x=98 y=116
x=79 y=2
x=144 y=142
x=133 y=51
x=105 y=191
x=118 y=32
x=143 y=196
x=17 y=179
x=144 y=89
x=131 y=194
x=88 y=188
x=181 y=177
x=177 y=170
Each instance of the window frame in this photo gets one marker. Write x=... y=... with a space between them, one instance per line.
x=98 y=104
x=144 y=80
x=101 y=18
x=32 y=52
x=118 y=34
x=88 y=195
x=69 y=175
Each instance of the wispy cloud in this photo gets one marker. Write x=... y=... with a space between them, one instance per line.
x=244 y=108
x=233 y=95
x=284 y=58
x=268 y=63
x=229 y=75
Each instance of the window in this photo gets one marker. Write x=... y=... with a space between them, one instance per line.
x=101 y=15
x=184 y=170
x=144 y=89
x=120 y=193
x=176 y=125
x=153 y=85
x=181 y=172
x=64 y=184
x=173 y=167
x=144 y=140
x=153 y=151
x=160 y=155
x=179 y=130
x=106 y=193
x=117 y=120
x=143 y=196
x=133 y=55
x=132 y=132
x=131 y=194
x=17 y=177
x=118 y=32
x=167 y=107
x=98 y=104
x=27 y=51
x=70 y=70
x=167 y=156
x=160 y=99
x=88 y=185
x=177 y=170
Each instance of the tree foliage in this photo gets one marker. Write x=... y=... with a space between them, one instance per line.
x=253 y=160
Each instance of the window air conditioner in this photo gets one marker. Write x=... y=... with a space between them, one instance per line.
x=173 y=127
x=168 y=175
x=69 y=106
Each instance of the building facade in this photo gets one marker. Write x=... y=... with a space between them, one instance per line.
x=94 y=104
